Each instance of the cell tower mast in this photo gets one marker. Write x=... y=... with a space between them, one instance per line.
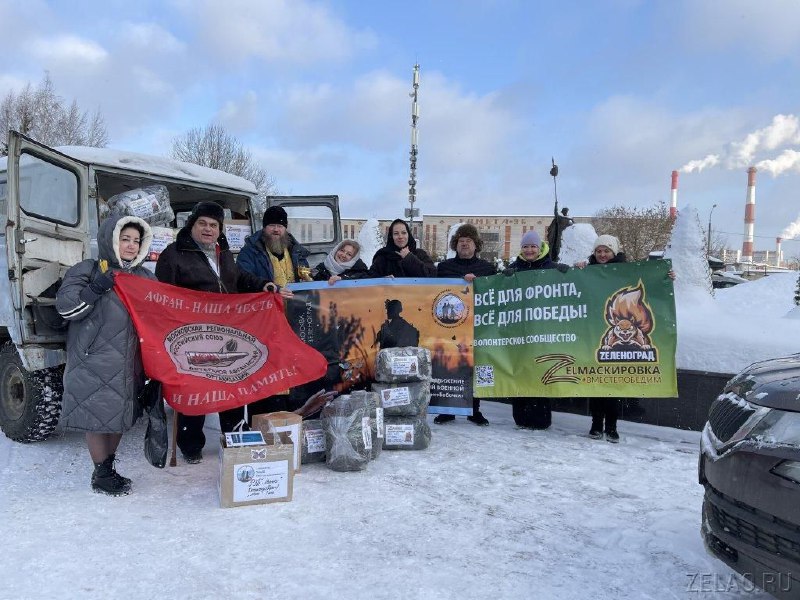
x=412 y=212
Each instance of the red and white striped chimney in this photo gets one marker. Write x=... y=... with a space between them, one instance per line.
x=749 y=216
x=673 y=202
x=778 y=256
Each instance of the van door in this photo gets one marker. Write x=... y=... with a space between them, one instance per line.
x=46 y=233
x=313 y=221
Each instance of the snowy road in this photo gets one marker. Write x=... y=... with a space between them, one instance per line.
x=485 y=512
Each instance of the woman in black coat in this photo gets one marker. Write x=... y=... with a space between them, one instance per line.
x=400 y=257
x=341 y=263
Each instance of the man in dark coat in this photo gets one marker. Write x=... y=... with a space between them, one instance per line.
x=466 y=243
x=200 y=259
x=273 y=253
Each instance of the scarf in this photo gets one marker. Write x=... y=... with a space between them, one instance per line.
x=334 y=267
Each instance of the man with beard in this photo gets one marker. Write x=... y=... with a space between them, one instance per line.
x=273 y=253
x=466 y=243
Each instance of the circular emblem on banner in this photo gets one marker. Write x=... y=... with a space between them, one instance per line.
x=216 y=352
x=449 y=309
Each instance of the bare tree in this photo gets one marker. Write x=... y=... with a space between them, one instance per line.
x=640 y=230
x=40 y=113
x=719 y=245
x=212 y=146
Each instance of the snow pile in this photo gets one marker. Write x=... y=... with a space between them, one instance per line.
x=687 y=251
x=577 y=243
x=370 y=240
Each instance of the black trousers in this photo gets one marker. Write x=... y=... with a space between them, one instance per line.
x=604 y=409
x=191 y=438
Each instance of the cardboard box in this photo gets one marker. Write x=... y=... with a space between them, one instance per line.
x=283 y=421
x=260 y=474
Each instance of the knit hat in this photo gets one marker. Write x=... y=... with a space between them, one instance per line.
x=211 y=210
x=275 y=215
x=609 y=241
x=531 y=238
x=468 y=231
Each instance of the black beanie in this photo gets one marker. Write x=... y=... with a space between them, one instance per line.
x=211 y=210
x=275 y=215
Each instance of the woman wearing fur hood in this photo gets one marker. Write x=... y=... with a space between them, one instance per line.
x=342 y=262
x=104 y=373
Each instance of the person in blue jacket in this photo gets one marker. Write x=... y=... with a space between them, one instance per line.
x=273 y=253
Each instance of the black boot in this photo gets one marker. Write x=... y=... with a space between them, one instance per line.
x=124 y=480
x=107 y=481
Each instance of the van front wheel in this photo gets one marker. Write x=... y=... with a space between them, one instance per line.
x=30 y=402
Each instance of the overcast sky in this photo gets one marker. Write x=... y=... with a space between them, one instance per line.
x=620 y=92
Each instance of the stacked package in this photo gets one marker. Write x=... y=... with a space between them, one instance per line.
x=373 y=400
x=150 y=203
x=313 y=442
x=404 y=385
x=348 y=435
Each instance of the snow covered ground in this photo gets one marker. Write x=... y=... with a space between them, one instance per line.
x=485 y=512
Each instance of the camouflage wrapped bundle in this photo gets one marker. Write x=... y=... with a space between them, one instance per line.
x=313 y=442
x=373 y=400
x=348 y=437
x=406 y=433
x=404 y=399
x=150 y=203
x=394 y=365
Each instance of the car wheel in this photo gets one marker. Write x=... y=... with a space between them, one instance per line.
x=30 y=402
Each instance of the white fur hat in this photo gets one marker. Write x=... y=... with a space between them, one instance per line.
x=609 y=241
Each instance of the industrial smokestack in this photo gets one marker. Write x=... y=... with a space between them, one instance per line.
x=673 y=203
x=778 y=257
x=749 y=216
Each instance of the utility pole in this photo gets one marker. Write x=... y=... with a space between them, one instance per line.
x=708 y=242
x=412 y=212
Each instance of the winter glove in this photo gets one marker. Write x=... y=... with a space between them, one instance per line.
x=97 y=287
x=562 y=268
x=509 y=271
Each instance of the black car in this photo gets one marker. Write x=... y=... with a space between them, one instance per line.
x=750 y=469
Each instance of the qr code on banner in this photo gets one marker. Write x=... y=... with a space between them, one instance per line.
x=484 y=375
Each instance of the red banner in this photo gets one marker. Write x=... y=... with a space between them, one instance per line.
x=212 y=352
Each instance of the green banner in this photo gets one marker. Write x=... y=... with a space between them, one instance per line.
x=602 y=331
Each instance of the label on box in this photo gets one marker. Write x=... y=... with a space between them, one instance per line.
x=379 y=421
x=399 y=435
x=260 y=481
x=235 y=234
x=143 y=207
x=315 y=440
x=405 y=365
x=395 y=397
x=366 y=433
x=162 y=237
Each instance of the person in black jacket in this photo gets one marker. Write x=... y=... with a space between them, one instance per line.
x=466 y=243
x=199 y=259
x=341 y=263
x=400 y=257
x=533 y=413
x=605 y=411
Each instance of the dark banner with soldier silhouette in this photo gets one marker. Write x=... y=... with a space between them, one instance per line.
x=601 y=331
x=352 y=320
